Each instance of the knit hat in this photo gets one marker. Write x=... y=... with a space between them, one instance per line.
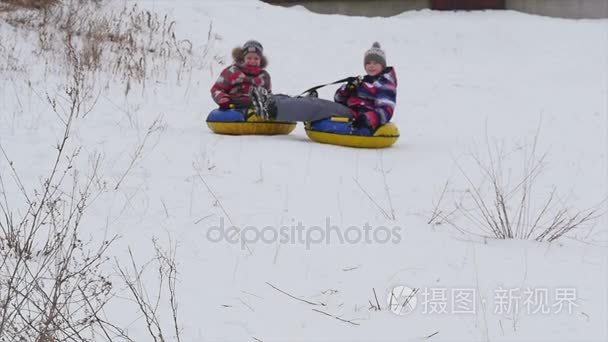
x=253 y=46
x=375 y=54
x=250 y=46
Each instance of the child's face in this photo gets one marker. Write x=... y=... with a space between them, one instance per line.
x=252 y=59
x=373 y=68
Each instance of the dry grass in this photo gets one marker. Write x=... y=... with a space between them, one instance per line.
x=55 y=284
x=11 y=5
x=503 y=202
x=52 y=280
x=134 y=45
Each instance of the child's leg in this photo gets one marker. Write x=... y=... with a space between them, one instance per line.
x=307 y=108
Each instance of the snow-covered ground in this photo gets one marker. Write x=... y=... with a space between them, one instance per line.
x=465 y=79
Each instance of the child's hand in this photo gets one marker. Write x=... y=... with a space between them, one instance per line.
x=224 y=103
x=354 y=84
x=359 y=122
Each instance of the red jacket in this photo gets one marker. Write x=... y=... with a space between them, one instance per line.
x=236 y=81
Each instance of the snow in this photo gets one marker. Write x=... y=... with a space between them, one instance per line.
x=464 y=78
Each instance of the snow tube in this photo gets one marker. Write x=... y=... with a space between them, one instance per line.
x=338 y=131
x=233 y=122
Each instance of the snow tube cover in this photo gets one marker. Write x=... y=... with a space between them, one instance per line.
x=338 y=131
x=233 y=122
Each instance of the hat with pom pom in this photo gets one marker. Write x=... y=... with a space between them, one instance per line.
x=253 y=46
x=375 y=54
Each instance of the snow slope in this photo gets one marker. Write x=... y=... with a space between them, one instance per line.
x=462 y=77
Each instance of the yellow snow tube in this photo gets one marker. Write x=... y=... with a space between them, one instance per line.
x=232 y=123
x=384 y=136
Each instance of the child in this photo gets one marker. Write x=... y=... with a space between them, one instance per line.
x=368 y=100
x=233 y=86
x=371 y=100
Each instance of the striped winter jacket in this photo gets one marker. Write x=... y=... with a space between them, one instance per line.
x=375 y=98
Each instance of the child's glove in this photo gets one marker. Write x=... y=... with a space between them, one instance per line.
x=312 y=93
x=224 y=103
x=359 y=121
x=354 y=84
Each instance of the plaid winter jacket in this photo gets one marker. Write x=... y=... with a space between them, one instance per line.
x=236 y=81
x=374 y=98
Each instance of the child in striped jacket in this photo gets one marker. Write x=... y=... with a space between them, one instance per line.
x=372 y=98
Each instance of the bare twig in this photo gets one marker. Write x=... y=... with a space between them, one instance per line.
x=436 y=211
x=294 y=297
x=167 y=275
x=336 y=317
x=217 y=200
x=431 y=335
x=137 y=154
x=387 y=215
x=377 y=302
x=348 y=269
x=386 y=188
x=219 y=203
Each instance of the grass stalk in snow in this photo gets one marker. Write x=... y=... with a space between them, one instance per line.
x=499 y=208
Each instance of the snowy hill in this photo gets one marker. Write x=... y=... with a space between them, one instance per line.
x=468 y=83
